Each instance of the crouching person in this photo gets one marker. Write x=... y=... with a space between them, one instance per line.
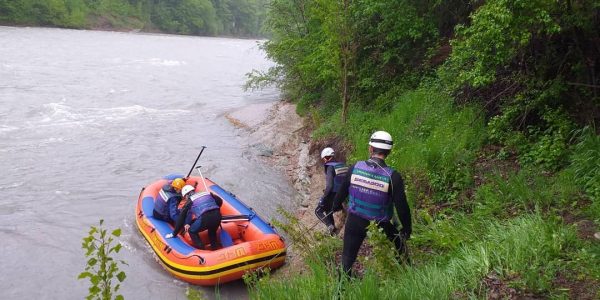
x=200 y=212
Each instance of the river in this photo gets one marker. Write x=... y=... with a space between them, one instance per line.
x=86 y=119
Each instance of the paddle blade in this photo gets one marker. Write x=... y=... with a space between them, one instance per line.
x=226 y=239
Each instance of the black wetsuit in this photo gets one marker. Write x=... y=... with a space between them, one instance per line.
x=356 y=226
x=325 y=205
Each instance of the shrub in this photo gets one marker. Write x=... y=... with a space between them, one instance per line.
x=102 y=269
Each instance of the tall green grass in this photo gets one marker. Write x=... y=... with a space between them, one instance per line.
x=526 y=251
x=432 y=138
x=585 y=163
x=527 y=190
x=511 y=226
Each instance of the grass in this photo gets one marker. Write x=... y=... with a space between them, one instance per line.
x=508 y=229
x=528 y=248
x=432 y=139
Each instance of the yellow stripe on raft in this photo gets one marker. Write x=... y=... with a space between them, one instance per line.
x=224 y=273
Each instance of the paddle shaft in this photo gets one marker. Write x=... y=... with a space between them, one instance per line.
x=195 y=162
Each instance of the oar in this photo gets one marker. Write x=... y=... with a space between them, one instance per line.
x=231 y=217
x=195 y=162
x=203 y=179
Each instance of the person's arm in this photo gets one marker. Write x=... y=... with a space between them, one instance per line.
x=341 y=195
x=218 y=201
x=183 y=218
x=402 y=208
x=173 y=211
x=329 y=175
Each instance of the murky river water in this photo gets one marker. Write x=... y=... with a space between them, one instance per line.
x=86 y=119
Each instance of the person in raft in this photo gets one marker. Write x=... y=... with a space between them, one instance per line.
x=169 y=196
x=374 y=189
x=335 y=174
x=201 y=211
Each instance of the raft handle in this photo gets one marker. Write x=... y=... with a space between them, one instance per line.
x=201 y=259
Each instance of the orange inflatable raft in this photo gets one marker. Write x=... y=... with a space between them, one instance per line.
x=249 y=242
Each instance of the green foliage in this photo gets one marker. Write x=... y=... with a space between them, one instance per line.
x=497 y=31
x=586 y=167
x=529 y=248
x=307 y=242
x=526 y=191
x=199 y=17
x=383 y=261
x=444 y=78
x=432 y=137
x=541 y=135
x=102 y=269
x=194 y=294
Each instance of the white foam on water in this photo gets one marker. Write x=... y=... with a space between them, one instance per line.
x=48 y=141
x=162 y=62
x=7 y=128
x=61 y=114
x=12 y=186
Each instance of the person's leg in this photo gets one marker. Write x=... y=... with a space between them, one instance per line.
x=212 y=221
x=328 y=205
x=354 y=234
x=194 y=231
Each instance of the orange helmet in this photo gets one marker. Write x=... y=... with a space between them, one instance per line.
x=178 y=183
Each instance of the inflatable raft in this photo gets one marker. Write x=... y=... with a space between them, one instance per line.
x=249 y=242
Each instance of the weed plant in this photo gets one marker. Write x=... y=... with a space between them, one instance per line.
x=102 y=269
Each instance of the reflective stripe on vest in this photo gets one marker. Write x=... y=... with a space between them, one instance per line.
x=162 y=199
x=369 y=197
x=340 y=171
x=201 y=203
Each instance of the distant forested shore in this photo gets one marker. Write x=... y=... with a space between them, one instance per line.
x=240 y=18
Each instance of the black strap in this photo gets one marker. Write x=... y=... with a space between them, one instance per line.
x=382 y=141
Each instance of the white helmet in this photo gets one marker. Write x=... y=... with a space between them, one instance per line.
x=381 y=140
x=327 y=152
x=186 y=190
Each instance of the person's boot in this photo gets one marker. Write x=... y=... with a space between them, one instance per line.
x=197 y=241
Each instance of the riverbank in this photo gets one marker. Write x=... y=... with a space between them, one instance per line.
x=281 y=137
x=186 y=18
x=463 y=225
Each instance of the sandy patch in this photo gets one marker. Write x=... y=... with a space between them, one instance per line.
x=250 y=116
